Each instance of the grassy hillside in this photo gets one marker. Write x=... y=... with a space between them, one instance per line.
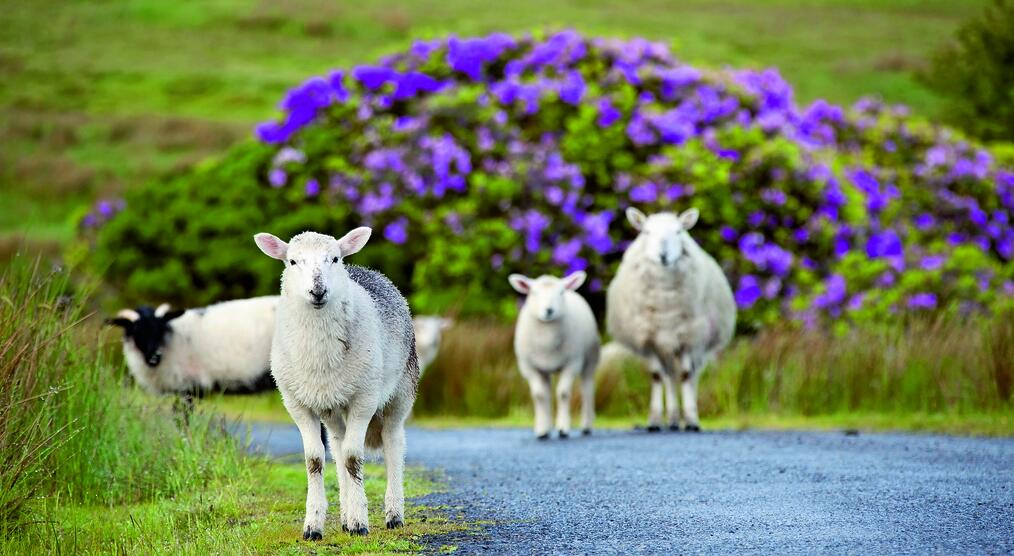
x=96 y=97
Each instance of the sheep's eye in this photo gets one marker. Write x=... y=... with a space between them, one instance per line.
x=334 y=260
x=292 y=262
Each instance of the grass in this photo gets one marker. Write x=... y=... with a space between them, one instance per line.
x=260 y=513
x=96 y=97
x=943 y=375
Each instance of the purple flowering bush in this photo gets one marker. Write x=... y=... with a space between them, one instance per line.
x=477 y=157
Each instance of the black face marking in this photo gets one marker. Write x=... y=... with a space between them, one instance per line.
x=148 y=332
x=314 y=466
x=686 y=376
x=355 y=468
x=655 y=377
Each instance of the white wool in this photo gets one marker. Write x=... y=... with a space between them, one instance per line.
x=565 y=342
x=226 y=345
x=678 y=315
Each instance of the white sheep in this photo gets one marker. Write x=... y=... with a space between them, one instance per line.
x=428 y=332
x=670 y=302
x=556 y=333
x=343 y=354
x=223 y=346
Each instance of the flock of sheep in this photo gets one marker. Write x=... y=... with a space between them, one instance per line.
x=344 y=352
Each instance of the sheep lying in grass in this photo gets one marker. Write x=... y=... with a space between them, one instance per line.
x=223 y=346
x=343 y=354
x=670 y=302
x=556 y=332
x=428 y=331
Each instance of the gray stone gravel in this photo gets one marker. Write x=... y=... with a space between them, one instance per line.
x=631 y=492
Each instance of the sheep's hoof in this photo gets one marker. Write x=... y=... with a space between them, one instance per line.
x=586 y=432
x=564 y=435
x=395 y=523
x=693 y=428
x=360 y=531
x=654 y=428
x=675 y=428
x=311 y=535
x=544 y=436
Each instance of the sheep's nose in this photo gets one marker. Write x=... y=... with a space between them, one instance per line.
x=664 y=258
x=318 y=296
x=549 y=313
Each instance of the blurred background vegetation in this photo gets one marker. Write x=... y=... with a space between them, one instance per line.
x=96 y=97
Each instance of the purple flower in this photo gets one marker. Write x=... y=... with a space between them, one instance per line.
x=924 y=222
x=922 y=300
x=884 y=244
x=834 y=292
x=276 y=177
x=312 y=188
x=644 y=193
x=608 y=114
x=397 y=232
x=748 y=291
x=932 y=262
x=773 y=196
x=728 y=234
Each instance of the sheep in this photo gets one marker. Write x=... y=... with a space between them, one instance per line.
x=343 y=355
x=671 y=303
x=428 y=330
x=556 y=332
x=223 y=346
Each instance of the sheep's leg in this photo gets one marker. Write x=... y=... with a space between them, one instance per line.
x=672 y=402
x=335 y=436
x=313 y=454
x=588 y=401
x=655 y=408
x=394 y=461
x=564 y=387
x=690 y=377
x=538 y=383
x=357 y=420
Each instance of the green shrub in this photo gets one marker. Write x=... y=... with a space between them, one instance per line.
x=475 y=158
x=976 y=73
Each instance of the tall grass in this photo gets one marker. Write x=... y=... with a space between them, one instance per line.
x=69 y=431
x=936 y=366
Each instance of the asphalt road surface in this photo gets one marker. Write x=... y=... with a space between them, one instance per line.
x=631 y=492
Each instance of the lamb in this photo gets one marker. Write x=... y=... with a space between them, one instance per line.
x=343 y=355
x=223 y=346
x=670 y=302
x=428 y=332
x=555 y=333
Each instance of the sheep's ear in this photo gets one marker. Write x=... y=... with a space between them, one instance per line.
x=125 y=319
x=689 y=218
x=162 y=310
x=636 y=218
x=123 y=323
x=353 y=241
x=520 y=283
x=272 y=246
x=574 y=280
x=170 y=315
x=446 y=323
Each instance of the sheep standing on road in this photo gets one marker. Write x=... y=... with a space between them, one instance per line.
x=428 y=332
x=223 y=346
x=343 y=354
x=670 y=302
x=556 y=332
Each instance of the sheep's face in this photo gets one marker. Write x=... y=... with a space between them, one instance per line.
x=314 y=271
x=428 y=331
x=662 y=234
x=545 y=293
x=147 y=329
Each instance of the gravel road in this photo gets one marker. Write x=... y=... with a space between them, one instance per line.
x=630 y=492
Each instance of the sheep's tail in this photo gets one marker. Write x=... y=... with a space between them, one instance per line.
x=614 y=355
